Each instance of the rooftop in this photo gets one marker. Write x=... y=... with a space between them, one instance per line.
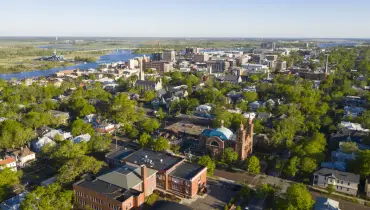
x=119 y=153
x=323 y=203
x=187 y=170
x=345 y=176
x=156 y=160
x=125 y=176
x=106 y=189
x=223 y=133
x=7 y=161
x=183 y=127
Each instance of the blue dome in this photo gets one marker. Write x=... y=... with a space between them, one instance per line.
x=222 y=133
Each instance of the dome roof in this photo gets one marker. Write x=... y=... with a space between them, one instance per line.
x=223 y=133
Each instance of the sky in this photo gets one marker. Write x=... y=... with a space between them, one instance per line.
x=186 y=18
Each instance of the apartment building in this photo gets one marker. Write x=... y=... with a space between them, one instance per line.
x=343 y=182
x=123 y=188
x=161 y=66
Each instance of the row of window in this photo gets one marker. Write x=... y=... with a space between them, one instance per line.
x=84 y=195
x=111 y=206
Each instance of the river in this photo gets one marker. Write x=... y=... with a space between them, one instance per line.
x=121 y=55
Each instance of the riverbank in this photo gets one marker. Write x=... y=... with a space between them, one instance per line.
x=31 y=66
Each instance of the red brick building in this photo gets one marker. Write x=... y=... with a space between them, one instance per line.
x=174 y=175
x=123 y=188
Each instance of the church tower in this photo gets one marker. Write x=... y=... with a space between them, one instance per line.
x=244 y=140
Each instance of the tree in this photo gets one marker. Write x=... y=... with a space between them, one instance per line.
x=51 y=197
x=78 y=166
x=68 y=150
x=309 y=165
x=80 y=127
x=330 y=188
x=229 y=156
x=149 y=125
x=291 y=169
x=246 y=192
x=206 y=161
x=161 y=144
x=149 y=95
x=80 y=107
x=298 y=197
x=160 y=114
x=144 y=140
x=13 y=134
x=253 y=165
x=8 y=180
x=362 y=164
x=99 y=143
x=250 y=96
x=265 y=190
x=349 y=147
x=123 y=109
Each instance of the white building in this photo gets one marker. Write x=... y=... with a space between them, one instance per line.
x=343 y=182
x=82 y=138
x=255 y=68
x=23 y=156
x=51 y=134
x=38 y=144
x=8 y=162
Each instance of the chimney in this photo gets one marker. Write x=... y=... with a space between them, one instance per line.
x=143 y=177
x=222 y=123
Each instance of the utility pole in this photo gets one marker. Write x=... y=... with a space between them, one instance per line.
x=326 y=64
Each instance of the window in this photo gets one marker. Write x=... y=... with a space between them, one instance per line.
x=347 y=189
x=349 y=183
x=175 y=186
x=341 y=182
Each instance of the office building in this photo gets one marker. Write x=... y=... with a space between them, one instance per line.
x=218 y=65
x=169 y=55
x=201 y=57
x=157 y=56
x=161 y=66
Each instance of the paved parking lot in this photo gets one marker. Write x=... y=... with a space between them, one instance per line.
x=220 y=194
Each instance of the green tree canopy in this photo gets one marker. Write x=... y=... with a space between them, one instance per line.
x=292 y=167
x=8 y=180
x=298 y=198
x=123 y=109
x=51 y=197
x=78 y=166
x=161 y=144
x=149 y=125
x=253 y=165
x=144 y=140
x=229 y=156
x=207 y=162
x=99 y=143
x=81 y=108
x=309 y=165
x=80 y=127
x=14 y=134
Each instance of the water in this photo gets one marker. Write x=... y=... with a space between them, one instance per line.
x=337 y=44
x=121 y=55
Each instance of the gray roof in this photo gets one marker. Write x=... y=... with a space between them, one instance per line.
x=187 y=170
x=145 y=82
x=120 y=153
x=343 y=176
x=160 y=161
x=125 y=176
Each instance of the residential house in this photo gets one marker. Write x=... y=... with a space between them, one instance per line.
x=323 y=203
x=123 y=188
x=367 y=187
x=41 y=142
x=13 y=203
x=8 y=162
x=62 y=117
x=348 y=127
x=255 y=105
x=343 y=182
x=53 y=133
x=353 y=112
x=23 y=156
x=81 y=138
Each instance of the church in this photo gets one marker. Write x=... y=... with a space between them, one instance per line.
x=215 y=141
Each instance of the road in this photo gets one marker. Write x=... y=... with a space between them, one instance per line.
x=240 y=177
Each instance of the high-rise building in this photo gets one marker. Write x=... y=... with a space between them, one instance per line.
x=268 y=45
x=157 y=56
x=192 y=50
x=169 y=55
x=218 y=65
x=201 y=57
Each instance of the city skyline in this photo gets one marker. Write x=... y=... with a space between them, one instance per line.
x=248 y=19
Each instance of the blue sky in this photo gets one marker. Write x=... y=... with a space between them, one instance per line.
x=190 y=18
